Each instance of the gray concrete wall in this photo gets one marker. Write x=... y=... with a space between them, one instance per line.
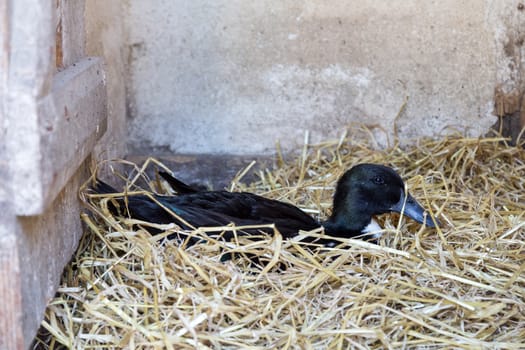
x=235 y=76
x=105 y=37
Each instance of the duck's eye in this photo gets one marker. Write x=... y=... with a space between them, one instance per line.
x=378 y=180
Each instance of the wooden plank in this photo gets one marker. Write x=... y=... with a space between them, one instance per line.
x=69 y=121
x=11 y=330
x=31 y=65
x=73 y=33
x=45 y=245
x=53 y=119
x=49 y=124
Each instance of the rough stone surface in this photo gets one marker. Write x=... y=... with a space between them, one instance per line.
x=235 y=76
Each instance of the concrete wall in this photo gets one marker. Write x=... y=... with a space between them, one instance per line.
x=235 y=76
x=105 y=37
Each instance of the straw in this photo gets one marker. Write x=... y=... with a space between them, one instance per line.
x=460 y=286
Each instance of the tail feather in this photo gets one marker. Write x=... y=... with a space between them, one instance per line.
x=139 y=207
x=103 y=188
x=179 y=186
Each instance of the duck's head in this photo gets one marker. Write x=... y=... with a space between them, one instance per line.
x=367 y=190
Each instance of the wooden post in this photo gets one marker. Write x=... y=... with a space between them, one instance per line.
x=50 y=121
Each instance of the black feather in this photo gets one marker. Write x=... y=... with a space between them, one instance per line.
x=177 y=185
x=362 y=192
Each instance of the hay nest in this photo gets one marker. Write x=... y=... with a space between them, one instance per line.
x=460 y=286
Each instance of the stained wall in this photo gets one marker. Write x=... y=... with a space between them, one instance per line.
x=233 y=76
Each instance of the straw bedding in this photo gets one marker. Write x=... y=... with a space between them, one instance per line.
x=460 y=286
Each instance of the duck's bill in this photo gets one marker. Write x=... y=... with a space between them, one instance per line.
x=411 y=208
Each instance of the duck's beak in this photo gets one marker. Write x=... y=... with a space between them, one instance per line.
x=411 y=208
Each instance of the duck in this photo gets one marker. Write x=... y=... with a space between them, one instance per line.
x=364 y=191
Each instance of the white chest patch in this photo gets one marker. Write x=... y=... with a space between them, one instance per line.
x=374 y=229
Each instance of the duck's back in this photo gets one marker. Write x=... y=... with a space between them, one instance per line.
x=219 y=208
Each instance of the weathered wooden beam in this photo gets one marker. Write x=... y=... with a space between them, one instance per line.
x=49 y=124
x=53 y=119
x=34 y=248
x=11 y=314
x=65 y=127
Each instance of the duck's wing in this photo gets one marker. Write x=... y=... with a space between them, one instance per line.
x=217 y=208
x=212 y=208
